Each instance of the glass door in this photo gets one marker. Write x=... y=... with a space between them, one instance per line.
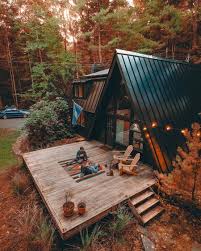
x=109 y=130
x=122 y=132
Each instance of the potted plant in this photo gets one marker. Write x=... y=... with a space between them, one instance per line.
x=81 y=206
x=68 y=206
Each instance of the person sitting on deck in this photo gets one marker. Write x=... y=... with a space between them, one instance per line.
x=81 y=155
x=86 y=170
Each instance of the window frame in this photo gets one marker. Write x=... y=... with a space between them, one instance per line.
x=79 y=91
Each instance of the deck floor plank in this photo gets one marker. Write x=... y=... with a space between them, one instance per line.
x=101 y=193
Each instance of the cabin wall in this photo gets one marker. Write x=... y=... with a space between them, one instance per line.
x=86 y=129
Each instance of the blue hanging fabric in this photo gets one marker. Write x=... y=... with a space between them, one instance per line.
x=77 y=109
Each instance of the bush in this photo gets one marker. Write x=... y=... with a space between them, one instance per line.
x=48 y=121
x=121 y=219
x=89 y=238
x=20 y=183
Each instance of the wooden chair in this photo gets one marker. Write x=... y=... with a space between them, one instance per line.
x=131 y=167
x=123 y=155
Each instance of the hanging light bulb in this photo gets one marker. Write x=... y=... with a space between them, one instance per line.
x=183 y=131
x=168 y=128
x=154 y=124
x=147 y=135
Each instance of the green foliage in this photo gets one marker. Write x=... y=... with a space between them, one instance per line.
x=121 y=219
x=49 y=121
x=89 y=237
x=52 y=65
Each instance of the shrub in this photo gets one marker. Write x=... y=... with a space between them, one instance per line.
x=20 y=183
x=89 y=238
x=121 y=219
x=48 y=121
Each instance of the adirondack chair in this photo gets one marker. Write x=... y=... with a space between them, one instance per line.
x=131 y=167
x=123 y=155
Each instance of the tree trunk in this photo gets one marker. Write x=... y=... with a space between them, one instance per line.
x=195 y=32
x=39 y=52
x=195 y=6
x=9 y=57
x=99 y=46
x=75 y=52
x=30 y=69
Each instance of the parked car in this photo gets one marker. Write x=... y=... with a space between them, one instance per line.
x=12 y=112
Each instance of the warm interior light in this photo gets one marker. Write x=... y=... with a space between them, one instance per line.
x=144 y=128
x=154 y=124
x=168 y=128
x=198 y=134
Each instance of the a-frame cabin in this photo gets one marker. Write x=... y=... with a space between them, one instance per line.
x=143 y=100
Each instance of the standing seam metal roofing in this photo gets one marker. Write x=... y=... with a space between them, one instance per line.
x=156 y=87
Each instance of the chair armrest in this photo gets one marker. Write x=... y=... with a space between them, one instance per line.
x=118 y=151
x=127 y=165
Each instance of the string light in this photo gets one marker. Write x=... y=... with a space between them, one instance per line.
x=168 y=128
x=154 y=124
x=147 y=135
x=183 y=131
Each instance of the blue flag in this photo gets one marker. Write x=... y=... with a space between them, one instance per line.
x=77 y=109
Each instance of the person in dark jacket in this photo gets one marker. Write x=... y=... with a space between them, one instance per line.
x=81 y=155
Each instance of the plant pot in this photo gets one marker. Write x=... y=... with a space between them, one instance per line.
x=68 y=208
x=81 y=207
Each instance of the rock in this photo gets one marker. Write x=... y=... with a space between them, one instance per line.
x=147 y=243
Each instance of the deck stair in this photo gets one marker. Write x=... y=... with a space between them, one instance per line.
x=145 y=206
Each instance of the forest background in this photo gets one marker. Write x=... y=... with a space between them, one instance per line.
x=45 y=44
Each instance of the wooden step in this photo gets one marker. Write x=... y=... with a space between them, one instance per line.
x=151 y=214
x=146 y=205
x=140 y=198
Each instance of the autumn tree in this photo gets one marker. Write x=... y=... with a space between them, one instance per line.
x=184 y=179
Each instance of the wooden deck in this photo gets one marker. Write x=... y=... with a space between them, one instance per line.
x=101 y=193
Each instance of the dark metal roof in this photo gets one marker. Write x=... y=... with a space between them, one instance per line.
x=97 y=74
x=157 y=87
x=91 y=102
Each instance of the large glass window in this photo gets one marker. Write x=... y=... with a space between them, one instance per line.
x=122 y=132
